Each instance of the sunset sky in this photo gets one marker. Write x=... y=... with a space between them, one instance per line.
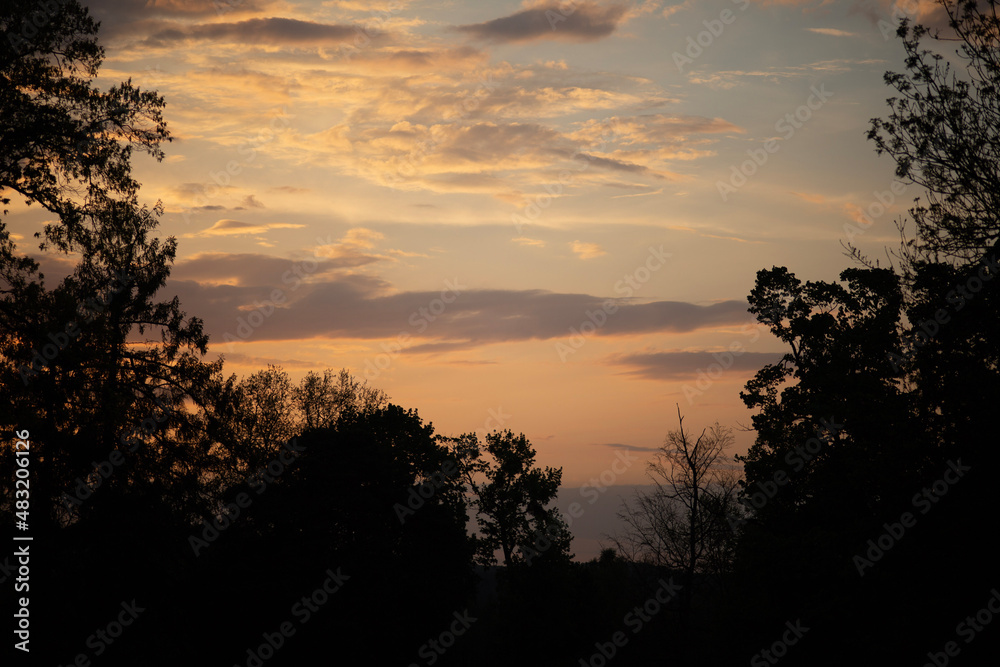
x=433 y=194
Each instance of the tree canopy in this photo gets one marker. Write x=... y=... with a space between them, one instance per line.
x=943 y=131
x=65 y=144
x=887 y=386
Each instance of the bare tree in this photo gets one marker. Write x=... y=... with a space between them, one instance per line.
x=683 y=522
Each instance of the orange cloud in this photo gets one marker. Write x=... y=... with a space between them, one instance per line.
x=832 y=32
x=670 y=10
x=237 y=228
x=812 y=198
x=352 y=244
x=525 y=241
x=587 y=250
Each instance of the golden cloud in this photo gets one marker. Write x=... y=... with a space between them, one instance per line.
x=587 y=250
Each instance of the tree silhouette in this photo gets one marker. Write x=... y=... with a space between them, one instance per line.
x=944 y=132
x=63 y=143
x=80 y=355
x=686 y=522
x=251 y=418
x=105 y=375
x=837 y=384
x=371 y=494
x=97 y=365
x=321 y=399
x=837 y=444
x=683 y=523
x=511 y=498
x=889 y=382
x=108 y=380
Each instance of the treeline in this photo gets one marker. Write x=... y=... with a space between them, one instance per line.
x=882 y=540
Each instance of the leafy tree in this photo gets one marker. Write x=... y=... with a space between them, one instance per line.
x=837 y=384
x=251 y=419
x=904 y=365
x=511 y=498
x=838 y=445
x=81 y=355
x=106 y=377
x=321 y=399
x=63 y=143
x=96 y=365
x=944 y=132
x=370 y=495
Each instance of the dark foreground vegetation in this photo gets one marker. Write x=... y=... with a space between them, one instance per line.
x=180 y=516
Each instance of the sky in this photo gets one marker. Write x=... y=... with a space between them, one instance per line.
x=534 y=215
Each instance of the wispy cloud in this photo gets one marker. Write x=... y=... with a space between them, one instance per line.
x=406 y=253
x=272 y=31
x=832 y=32
x=640 y=194
x=354 y=243
x=524 y=240
x=572 y=22
x=631 y=448
x=237 y=228
x=587 y=250
x=726 y=79
x=670 y=10
x=684 y=364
